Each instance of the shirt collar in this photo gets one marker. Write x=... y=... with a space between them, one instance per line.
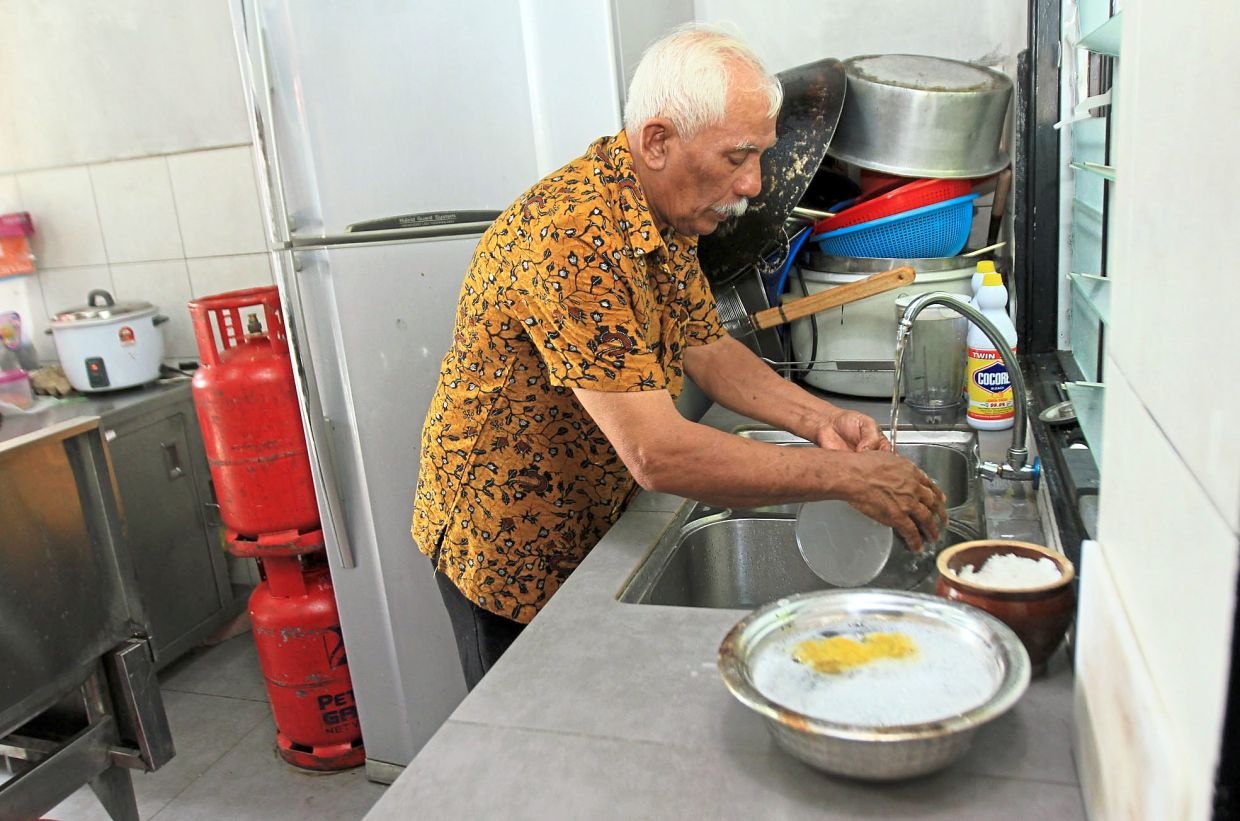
x=614 y=160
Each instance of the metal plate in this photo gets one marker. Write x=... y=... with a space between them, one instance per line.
x=1061 y=413
x=842 y=546
x=813 y=99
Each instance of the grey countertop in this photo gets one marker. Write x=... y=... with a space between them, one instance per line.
x=15 y=426
x=603 y=709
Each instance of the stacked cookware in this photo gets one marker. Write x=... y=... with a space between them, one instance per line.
x=917 y=139
x=921 y=135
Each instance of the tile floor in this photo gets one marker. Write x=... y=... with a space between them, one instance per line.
x=226 y=767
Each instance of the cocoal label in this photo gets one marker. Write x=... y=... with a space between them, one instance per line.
x=992 y=378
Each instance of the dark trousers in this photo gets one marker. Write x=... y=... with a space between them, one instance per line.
x=481 y=636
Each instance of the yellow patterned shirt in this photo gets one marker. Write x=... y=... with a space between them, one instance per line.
x=571 y=287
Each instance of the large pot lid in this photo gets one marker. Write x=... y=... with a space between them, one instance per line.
x=813 y=99
x=101 y=306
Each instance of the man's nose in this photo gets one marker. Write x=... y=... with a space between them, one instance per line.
x=749 y=183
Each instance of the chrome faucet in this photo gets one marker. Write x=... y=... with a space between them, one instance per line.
x=1016 y=467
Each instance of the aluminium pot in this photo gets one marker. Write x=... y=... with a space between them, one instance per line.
x=851 y=349
x=916 y=116
x=107 y=345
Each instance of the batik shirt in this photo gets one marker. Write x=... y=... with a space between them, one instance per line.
x=571 y=287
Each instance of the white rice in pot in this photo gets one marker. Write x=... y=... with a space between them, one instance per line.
x=1007 y=571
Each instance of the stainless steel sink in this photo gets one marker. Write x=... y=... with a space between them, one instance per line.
x=740 y=559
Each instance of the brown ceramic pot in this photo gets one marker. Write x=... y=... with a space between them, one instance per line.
x=1038 y=615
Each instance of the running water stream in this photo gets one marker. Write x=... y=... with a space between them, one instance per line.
x=902 y=335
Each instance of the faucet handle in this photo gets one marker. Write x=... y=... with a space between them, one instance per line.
x=1013 y=473
x=988 y=470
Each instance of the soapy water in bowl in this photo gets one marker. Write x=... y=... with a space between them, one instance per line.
x=1007 y=571
x=947 y=673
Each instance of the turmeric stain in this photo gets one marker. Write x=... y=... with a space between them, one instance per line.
x=840 y=653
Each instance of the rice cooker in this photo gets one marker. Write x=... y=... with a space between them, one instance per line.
x=107 y=345
x=851 y=349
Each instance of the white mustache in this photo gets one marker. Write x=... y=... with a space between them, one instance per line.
x=733 y=209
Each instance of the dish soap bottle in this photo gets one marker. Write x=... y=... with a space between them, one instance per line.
x=989 y=387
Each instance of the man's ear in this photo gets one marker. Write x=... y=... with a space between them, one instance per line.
x=653 y=142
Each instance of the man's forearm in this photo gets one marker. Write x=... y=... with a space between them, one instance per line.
x=699 y=462
x=666 y=452
x=732 y=375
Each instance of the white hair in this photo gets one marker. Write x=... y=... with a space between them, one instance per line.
x=684 y=76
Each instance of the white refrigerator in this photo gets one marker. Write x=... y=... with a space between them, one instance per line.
x=368 y=110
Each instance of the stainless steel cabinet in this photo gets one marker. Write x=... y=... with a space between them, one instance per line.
x=166 y=500
x=79 y=702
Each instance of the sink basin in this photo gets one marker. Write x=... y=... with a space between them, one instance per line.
x=743 y=558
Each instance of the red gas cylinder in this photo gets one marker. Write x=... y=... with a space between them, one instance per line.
x=251 y=424
x=301 y=653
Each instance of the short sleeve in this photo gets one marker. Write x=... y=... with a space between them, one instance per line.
x=703 y=326
x=578 y=311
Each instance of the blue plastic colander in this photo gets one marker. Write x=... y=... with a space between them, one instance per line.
x=938 y=230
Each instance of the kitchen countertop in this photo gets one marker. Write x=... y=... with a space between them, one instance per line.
x=17 y=425
x=603 y=709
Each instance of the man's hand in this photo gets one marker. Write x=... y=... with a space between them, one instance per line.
x=851 y=431
x=897 y=493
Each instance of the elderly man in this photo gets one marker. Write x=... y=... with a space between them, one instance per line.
x=582 y=312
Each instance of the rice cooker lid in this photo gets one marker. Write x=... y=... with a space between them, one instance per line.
x=100 y=306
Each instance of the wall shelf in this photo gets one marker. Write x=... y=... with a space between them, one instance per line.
x=1096 y=291
x=1105 y=38
x=1088 y=401
x=1107 y=172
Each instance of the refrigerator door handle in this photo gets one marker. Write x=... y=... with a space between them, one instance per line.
x=423 y=219
x=315 y=420
x=379 y=236
x=324 y=450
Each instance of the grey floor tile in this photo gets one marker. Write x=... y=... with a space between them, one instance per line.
x=230 y=668
x=83 y=806
x=252 y=783
x=203 y=729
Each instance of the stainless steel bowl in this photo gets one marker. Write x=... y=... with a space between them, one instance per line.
x=880 y=753
x=918 y=116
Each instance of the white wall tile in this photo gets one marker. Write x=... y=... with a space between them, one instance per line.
x=66 y=223
x=65 y=288
x=794 y=32
x=136 y=211
x=10 y=197
x=91 y=82
x=1174 y=560
x=217 y=202
x=39 y=321
x=216 y=275
x=24 y=294
x=165 y=285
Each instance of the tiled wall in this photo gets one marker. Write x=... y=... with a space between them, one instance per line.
x=1169 y=522
x=125 y=138
x=161 y=229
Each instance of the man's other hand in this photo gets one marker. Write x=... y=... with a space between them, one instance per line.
x=851 y=431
